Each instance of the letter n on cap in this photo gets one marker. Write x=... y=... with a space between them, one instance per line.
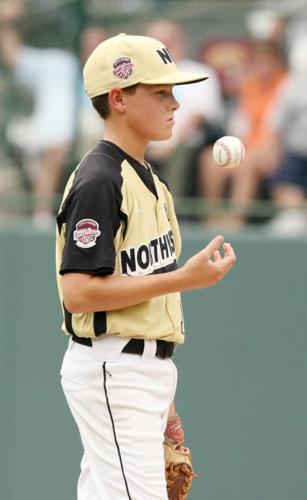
x=165 y=56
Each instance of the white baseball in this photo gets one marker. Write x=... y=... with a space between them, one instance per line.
x=228 y=151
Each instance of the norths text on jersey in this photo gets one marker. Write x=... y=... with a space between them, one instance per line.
x=146 y=258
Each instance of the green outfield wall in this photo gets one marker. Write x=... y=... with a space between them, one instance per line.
x=242 y=373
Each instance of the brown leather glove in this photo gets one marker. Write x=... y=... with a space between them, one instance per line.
x=178 y=463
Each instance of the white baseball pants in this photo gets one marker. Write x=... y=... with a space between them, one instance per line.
x=120 y=403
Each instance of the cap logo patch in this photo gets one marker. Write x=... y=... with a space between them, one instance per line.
x=86 y=233
x=123 y=68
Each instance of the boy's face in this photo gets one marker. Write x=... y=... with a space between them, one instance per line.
x=150 y=111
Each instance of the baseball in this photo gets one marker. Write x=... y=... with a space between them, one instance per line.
x=228 y=151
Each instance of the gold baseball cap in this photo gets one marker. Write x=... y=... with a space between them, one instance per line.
x=125 y=60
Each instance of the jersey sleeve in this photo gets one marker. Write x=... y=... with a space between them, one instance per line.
x=92 y=221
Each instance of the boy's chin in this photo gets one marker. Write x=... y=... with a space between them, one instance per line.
x=163 y=137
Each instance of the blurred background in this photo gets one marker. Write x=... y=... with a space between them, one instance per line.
x=242 y=372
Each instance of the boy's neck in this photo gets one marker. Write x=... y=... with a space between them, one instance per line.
x=128 y=142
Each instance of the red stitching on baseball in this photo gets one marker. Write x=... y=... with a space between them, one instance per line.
x=227 y=153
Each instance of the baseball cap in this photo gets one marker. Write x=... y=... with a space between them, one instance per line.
x=125 y=60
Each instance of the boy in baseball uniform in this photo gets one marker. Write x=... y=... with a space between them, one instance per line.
x=118 y=244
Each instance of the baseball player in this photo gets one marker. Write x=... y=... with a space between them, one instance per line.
x=117 y=246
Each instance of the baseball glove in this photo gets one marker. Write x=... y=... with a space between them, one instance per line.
x=178 y=463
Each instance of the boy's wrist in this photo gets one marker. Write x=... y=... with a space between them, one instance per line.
x=182 y=280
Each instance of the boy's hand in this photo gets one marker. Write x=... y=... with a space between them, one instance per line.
x=209 y=266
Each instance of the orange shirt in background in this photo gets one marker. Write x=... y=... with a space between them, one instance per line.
x=256 y=100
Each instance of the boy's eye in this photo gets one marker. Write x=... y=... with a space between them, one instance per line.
x=163 y=92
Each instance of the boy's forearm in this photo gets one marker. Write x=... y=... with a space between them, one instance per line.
x=85 y=293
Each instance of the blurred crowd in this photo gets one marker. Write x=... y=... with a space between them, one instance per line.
x=255 y=92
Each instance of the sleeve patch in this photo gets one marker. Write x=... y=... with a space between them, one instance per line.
x=86 y=233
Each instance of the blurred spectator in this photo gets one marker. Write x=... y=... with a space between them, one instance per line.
x=266 y=24
x=289 y=184
x=45 y=137
x=90 y=125
x=250 y=123
x=230 y=59
x=281 y=22
x=197 y=122
x=297 y=54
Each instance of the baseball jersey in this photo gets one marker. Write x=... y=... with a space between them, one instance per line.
x=117 y=217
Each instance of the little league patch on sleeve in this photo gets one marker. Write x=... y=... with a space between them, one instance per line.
x=86 y=233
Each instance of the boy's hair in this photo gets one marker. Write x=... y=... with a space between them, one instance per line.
x=101 y=102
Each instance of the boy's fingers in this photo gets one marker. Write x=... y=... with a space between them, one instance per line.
x=229 y=259
x=228 y=251
x=226 y=247
x=214 y=245
x=217 y=256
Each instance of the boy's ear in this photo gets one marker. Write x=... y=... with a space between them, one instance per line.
x=116 y=100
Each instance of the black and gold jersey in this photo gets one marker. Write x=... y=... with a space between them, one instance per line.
x=117 y=217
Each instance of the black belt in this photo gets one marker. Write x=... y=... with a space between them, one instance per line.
x=136 y=346
x=164 y=349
